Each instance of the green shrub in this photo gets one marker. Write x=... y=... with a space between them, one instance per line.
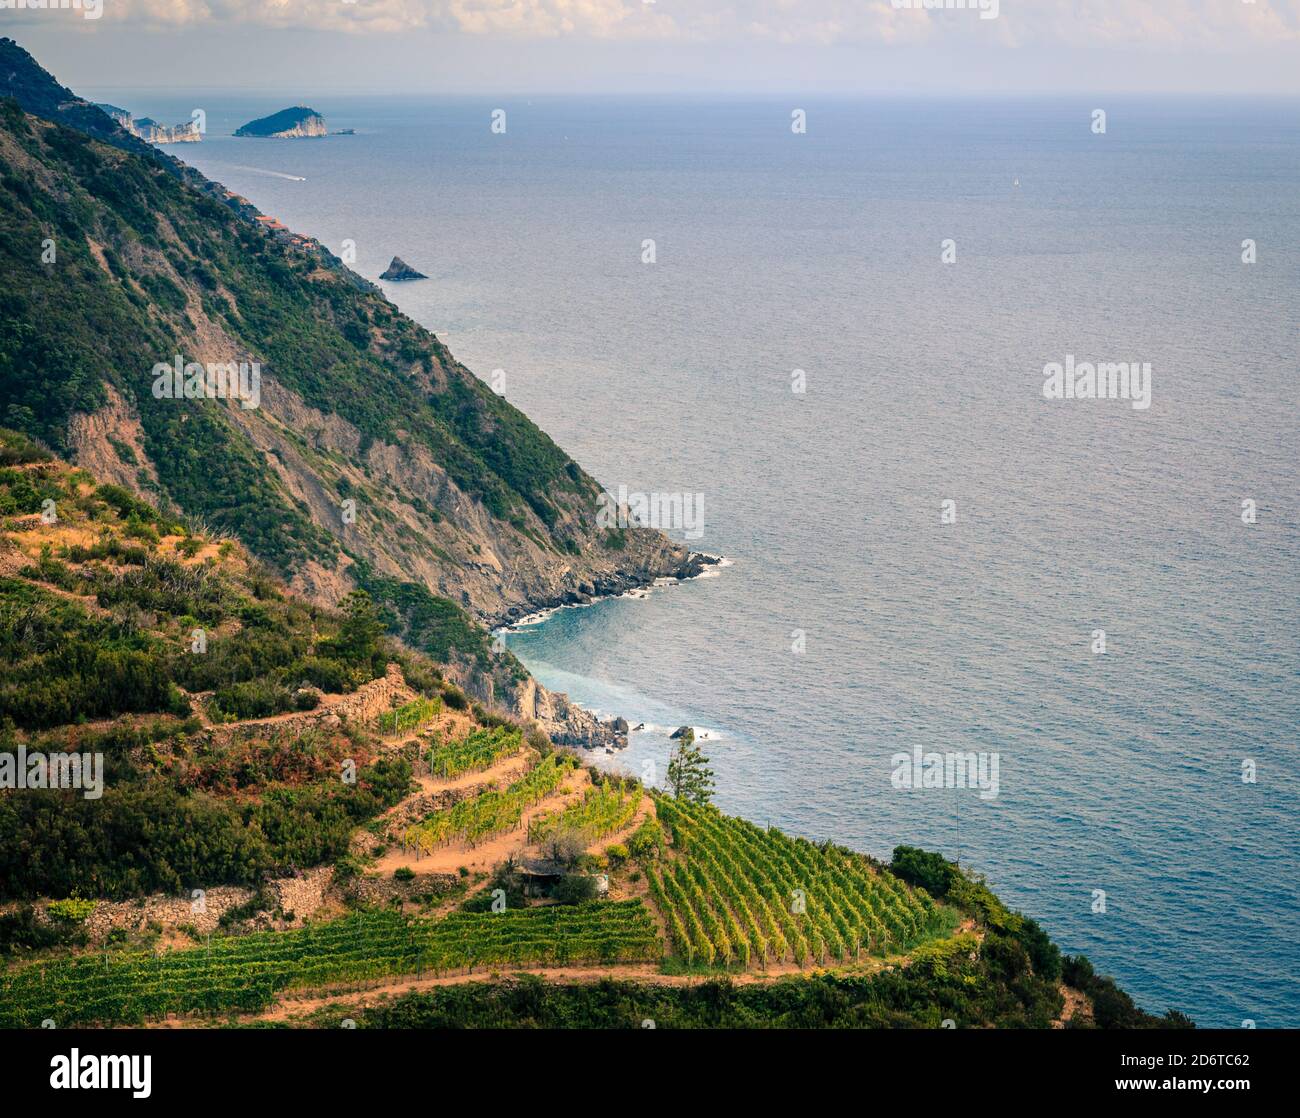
x=647 y=840
x=331 y=676
x=574 y=888
x=72 y=910
x=256 y=698
x=21 y=931
x=932 y=872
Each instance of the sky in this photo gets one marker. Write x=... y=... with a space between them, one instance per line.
x=833 y=47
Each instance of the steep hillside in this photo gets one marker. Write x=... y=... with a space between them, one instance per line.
x=212 y=694
x=219 y=800
x=371 y=458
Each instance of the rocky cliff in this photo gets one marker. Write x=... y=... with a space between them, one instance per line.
x=151 y=131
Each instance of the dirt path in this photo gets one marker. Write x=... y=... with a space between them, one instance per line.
x=1076 y=1005
x=451 y=724
x=291 y=1006
x=491 y=852
x=11 y=562
x=503 y=772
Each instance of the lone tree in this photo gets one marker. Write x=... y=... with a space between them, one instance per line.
x=689 y=775
x=360 y=633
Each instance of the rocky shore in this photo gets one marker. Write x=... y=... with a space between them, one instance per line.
x=620 y=581
x=563 y=720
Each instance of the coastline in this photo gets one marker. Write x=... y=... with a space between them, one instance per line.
x=602 y=587
x=568 y=722
x=699 y=564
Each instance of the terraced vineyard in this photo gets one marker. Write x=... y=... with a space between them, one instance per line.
x=246 y=973
x=409 y=716
x=490 y=813
x=602 y=811
x=481 y=749
x=737 y=895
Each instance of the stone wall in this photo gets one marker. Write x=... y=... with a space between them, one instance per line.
x=367 y=702
x=169 y=912
x=372 y=699
x=382 y=890
x=301 y=896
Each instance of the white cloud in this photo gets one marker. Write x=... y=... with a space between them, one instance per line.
x=1160 y=24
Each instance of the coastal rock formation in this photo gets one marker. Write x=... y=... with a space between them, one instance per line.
x=564 y=721
x=695 y=564
x=679 y=564
x=399 y=269
x=287 y=124
x=154 y=133
x=151 y=131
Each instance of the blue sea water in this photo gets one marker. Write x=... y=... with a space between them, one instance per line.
x=775 y=251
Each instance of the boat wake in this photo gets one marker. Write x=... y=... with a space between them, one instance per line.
x=263 y=171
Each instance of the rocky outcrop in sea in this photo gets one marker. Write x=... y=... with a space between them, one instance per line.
x=399 y=269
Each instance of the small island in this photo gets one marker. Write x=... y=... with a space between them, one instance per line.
x=399 y=269
x=286 y=124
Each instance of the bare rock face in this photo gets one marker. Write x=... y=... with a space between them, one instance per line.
x=399 y=269
x=155 y=133
x=151 y=131
x=564 y=721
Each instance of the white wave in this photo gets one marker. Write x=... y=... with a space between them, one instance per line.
x=702 y=733
x=638 y=593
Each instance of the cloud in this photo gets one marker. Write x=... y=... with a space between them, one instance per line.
x=523 y=18
x=1158 y=24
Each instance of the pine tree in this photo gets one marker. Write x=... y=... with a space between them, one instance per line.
x=689 y=775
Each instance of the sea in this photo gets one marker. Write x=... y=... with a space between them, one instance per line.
x=832 y=341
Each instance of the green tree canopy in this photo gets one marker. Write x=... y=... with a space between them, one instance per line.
x=689 y=774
